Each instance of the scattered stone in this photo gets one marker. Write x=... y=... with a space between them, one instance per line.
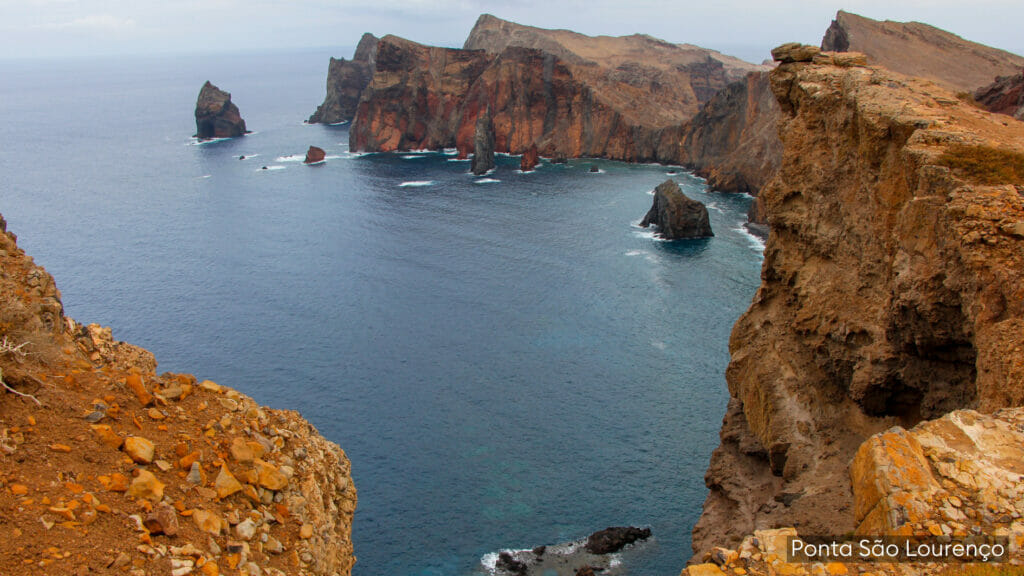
x=195 y=474
x=162 y=520
x=134 y=383
x=246 y=529
x=207 y=521
x=270 y=477
x=145 y=486
x=306 y=532
x=594 y=169
x=139 y=449
x=226 y=484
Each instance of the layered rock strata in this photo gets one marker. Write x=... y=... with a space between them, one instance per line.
x=346 y=80
x=216 y=116
x=109 y=467
x=892 y=291
x=676 y=215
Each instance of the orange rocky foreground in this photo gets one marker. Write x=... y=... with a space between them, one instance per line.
x=109 y=468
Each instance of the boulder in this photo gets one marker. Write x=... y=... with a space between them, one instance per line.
x=795 y=52
x=676 y=215
x=530 y=159
x=314 y=155
x=216 y=115
x=614 y=538
x=483 y=144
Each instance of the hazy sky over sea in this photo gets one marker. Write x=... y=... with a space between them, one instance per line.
x=70 y=28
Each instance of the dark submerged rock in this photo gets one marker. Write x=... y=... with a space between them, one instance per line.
x=614 y=538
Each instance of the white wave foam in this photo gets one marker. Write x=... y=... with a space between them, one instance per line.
x=635 y=253
x=450 y=151
x=335 y=157
x=193 y=141
x=755 y=241
x=649 y=234
x=458 y=159
x=205 y=176
x=714 y=206
x=342 y=123
x=486 y=181
x=411 y=156
x=416 y=183
x=291 y=158
x=490 y=562
x=659 y=345
x=268 y=168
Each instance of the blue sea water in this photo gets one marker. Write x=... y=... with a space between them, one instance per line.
x=508 y=361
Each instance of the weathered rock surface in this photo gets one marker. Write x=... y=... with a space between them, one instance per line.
x=615 y=538
x=677 y=215
x=116 y=496
x=733 y=141
x=565 y=93
x=216 y=115
x=314 y=155
x=892 y=292
x=346 y=80
x=917 y=49
x=1004 y=96
x=483 y=145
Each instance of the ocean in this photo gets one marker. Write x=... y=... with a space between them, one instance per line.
x=508 y=361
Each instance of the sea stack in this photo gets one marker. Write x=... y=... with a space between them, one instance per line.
x=314 y=155
x=530 y=159
x=483 y=144
x=676 y=215
x=216 y=115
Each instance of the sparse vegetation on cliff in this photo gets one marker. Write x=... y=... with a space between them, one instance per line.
x=984 y=164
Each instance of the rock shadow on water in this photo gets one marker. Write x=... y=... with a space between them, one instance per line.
x=688 y=248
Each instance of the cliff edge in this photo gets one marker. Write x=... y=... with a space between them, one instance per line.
x=892 y=290
x=108 y=467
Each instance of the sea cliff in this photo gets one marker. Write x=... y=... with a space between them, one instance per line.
x=568 y=95
x=108 y=467
x=892 y=294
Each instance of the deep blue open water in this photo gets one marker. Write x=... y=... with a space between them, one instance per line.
x=507 y=364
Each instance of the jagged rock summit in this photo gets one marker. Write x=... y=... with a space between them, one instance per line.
x=677 y=215
x=346 y=80
x=216 y=115
x=917 y=49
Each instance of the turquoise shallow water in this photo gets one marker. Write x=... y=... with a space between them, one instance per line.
x=507 y=363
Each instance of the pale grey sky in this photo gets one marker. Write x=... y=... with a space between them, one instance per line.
x=63 y=28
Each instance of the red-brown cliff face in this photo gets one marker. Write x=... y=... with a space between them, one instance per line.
x=892 y=290
x=565 y=93
x=346 y=80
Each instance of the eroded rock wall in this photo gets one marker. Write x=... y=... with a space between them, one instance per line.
x=892 y=292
